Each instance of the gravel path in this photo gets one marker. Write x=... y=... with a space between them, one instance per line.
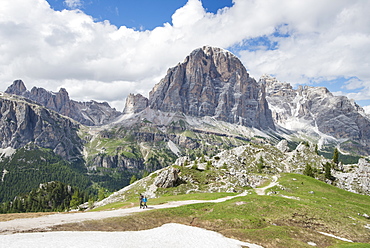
x=167 y=236
x=261 y=191
x=44 y=222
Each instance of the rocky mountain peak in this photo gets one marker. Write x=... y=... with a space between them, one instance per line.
x=87 y=113
x=135 y=104
x=213 y=82
x=16 y=88
x=316 y=111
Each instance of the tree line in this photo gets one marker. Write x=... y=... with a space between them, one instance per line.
x=49 y=197
x=26 y=169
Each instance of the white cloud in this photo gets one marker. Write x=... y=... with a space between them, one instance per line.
x=73 y=4
x=188 y=15
x=367 y=109
x=53 y=49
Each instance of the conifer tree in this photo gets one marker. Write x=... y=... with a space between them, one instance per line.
x=133 y=179
x=260 y=165
x=308 y=171
x=327 y=168
x=76 y=200
x=336 y=156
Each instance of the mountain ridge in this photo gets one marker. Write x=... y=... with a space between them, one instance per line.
x=208 y=97
x=321 y=113
x=88 y=113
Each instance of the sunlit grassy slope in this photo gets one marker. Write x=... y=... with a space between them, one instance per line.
x=290 y=215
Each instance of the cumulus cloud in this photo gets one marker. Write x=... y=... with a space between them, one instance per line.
x=367 y=109
x=324 y=40
x=97 y=60
x=73 y=4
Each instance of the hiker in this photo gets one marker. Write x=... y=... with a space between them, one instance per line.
x=145 y=200
x=141 y=198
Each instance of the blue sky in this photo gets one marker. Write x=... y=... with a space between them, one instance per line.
x=67 y=43
x=137 y=14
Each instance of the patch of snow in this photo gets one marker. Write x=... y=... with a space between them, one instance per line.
x=7 y=152
x=4 y=173
x=174 y=148
x=290 y=197
x=333 y=236
x=295 y=124
x=167 y=236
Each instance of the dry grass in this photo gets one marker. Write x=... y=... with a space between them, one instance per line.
x=7 y=217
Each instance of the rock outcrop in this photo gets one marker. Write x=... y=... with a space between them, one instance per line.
x=117 y=161
x=213 y=82
x=87 y=113
x=135 y=104
x=22 y=122
x=355 y=178
x=167 y=178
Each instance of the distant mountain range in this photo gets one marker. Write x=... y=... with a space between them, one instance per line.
x=203 y=106
x=87 y=113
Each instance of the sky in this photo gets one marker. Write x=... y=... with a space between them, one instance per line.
x=105 y=49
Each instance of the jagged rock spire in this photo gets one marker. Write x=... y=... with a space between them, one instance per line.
x=135 y=104
x=17 y=88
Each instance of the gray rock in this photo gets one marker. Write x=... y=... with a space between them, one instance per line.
x=135 y=104
x=87 y=113
x=213 y=82
x=318 y=109
x=167 y=178
x=23 y=122
x=283 y=146
x=356 y=180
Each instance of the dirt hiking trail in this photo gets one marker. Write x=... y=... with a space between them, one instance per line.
x=261 y=191
x=44 y=223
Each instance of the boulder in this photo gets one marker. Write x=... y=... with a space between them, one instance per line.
x=167 y=178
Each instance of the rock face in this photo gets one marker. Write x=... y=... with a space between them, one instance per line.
x=213 y=82
x=355 y=179
x=135 y=104
x=118 y=161
x=283 y=146
x=318 y=110
x=167 y=178
x=22 y=122
x=87 y=113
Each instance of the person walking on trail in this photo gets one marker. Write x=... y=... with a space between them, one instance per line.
x=145 y=200
x=141 y=198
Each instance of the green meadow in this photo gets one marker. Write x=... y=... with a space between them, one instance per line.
x=291 y=214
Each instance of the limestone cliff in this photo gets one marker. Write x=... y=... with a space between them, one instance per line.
x=316 y=110
x=135 y=104
x=213 y=82
x=22 y=122
x=87 y=113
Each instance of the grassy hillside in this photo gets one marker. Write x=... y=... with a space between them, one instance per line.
x=290 y=215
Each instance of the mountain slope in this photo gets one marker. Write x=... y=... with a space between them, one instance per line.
x=299 y=211
x=317 y=112
x=87 y=113
x=213 y=82
x=23 y=121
